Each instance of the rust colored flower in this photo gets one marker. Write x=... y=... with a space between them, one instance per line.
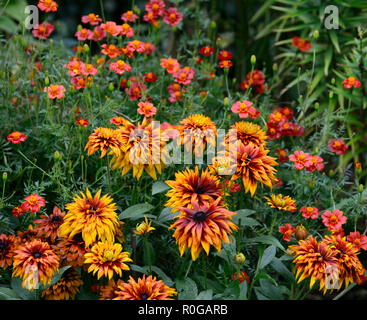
x=351 y=82
x=196 y=131
x=146 y=288
x=136 y=45
x=172 y=16
x=82 y=122
x=144 y=227
x=243 y=276
x=189 y=187
x=287 y=230
x=55 y=91
x=27 y=235
x=310 y=212
x=7 y=246
x=358 y=240
x=66 y=288
x=43 y=31
x=118 y=121
x=106 y=258
x=244 y=109
x=301 y=44
x=35 y=262
x=47 y=5
x=71 y=251
x=147 y=109
x=48 y=226
x=92 y=19
x=202 y=226
x=314 y=259
x=150 y=77
x=254 y=79
x=280 y=203
x=246 y=132
x=109 y=291
x=206 y=51
x=18 y=211
x=253 y=165
x=94 y=217
x=103 y=139
x=33 y=203
x=300 y=159
x=333 y=220
x=143 y=149
x=337 y=146
x=16 y=137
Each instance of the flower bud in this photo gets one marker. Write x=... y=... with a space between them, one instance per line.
x=317 y=106
x=5 y=176
x=226 y=101
x=57 y=156
x=275 y=67
x=316 y=34
x=80 y=27
x=85 y=48
x=331 y=173
x=110 y=86
x=47 y=81
x=136 y=10
x=331 y=94
x=358 y=167
x=213 y=24
x=312 y=184
x=253 y=59
x=333 y=81
x=360 y=189
x=239 y=258
x=300 y=233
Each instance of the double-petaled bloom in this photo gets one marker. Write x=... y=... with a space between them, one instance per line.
x=47 y=5
x=48 y=226
x=184 y=75
x=94 y=217
x=35 y=262
x=106 y=259
x=287 y=230
x=190 y=186
x=351 y=82
x=92 y=19
x=43 y=31
x=202 y=226
x=103 y=139
x=301 y=44
x=358 y=240
x=246 y=132
x=33 y=203
x=333 y=220
x=337 y=146
x=147 y=109
x=172 y=16
x=281 y=203
x=129 y=16
x=120 y=67
x=7 y=247
x=245 y=109
x=310 y=212
x=55 y=91
x=171 y=65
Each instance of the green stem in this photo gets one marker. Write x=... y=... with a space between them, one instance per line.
x=188 y=268
x=102 y=11
x=108 y=175
x=205 y=272
x=147 y=250
x=272 y=225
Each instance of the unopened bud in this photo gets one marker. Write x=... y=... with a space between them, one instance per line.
x=331 y=173
x=316 y=34
x=331 y=94
x=361 y=188
x=5 y=176
x=275 y=67
x=85 y=48
x=137 y=10
x=239 y=258
x=110 y=86
x=47 y=81
x=213 y=25
x=333 y=81
x=317 y=106
x=253 y=59
x=226 y=101
x=80 y=27
x=300 y=233
x=57 y=156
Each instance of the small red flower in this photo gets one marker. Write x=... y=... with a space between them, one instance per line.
x=16 y=137
x=43 y=31
x=243 y=276
x=310 y=212
x=224 y=55
x=316 y=163
x=337 y=146
x=172 y=16
x=155 y=7
x=18 y=211
x=184 y=75
x=358 y=240
x=301 y=44
x=300 y=159
x=351 y=82
x=147 y=109
x=287 y=230
x=225 y=64
x=111 y=50
x=120 y=67
x=33 y=203
x=333 y=220
x=207 y=51
x=82 y=122
x=84 y=34
x=282 y=155
x=118 y=121
x=149 y=77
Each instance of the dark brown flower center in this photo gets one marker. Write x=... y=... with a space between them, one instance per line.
x=55 y=219
x=200 y=216
x=36 y=255
x=2 y=245
x=199 y=190
x=144 y=296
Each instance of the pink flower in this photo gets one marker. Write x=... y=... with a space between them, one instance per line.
x=333 y=220
x=337 y=146
x=47 y=5
x=171 y=65
x=184 y=75
x=129 y=16
x=149 y=48
x=55 y=91
x=147 y=109
x=351 y=82
x=83 y=34
x=172 y=16
x=244 y=109
x=136 y=45
x=156 y=7
x=89 y=70
x=111 y=27
x=92 y=19
x=97 y=34
x=42 y=31
x=358 y=240
x=120 y=67
x=33 y=203
x=127 y=31
x=310 y=212
x=300 y=159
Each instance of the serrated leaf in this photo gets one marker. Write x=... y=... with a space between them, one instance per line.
x=159 y=186
x=136 y=212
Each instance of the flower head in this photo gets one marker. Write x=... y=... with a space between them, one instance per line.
x=144 y=227
x=301 y=44
x=206 y=51
x=103 y=139
x=310 y=212
x=55 y=91
x=7 y=247
x=172 y=16
x=129 y=16
x=92 y=19
x=47 y=5
x=33 y=203
x=43 y=31
x=171 y=65
x=280 y=203
x=48 y=226
x=337 y=146
x=358 y=240
x=300 y=159
x=120 y=67
x=287 y=230
x=244 y=109
x=16 y=137
x=106 y=258
x=333 y=220
x=351 y=82
x=147 y=109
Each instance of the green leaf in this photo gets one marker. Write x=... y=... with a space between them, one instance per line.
x=243 y=290
x=279 y=267
x=16 y=285
x=243 y=216
x=334 y=40
x=57 y=276
x=15 y=9
x=268 y=256
x=8 y=294
x=205 y=295
x=271 y=291
x=160 y=273
x=8 y=25
x=264 y=276
x=136 y=212
x=159 y=186
x=187 y=289
x=327 y=59
x=267 y=239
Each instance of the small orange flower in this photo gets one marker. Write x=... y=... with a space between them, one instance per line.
x=47 y=5
x=16 y=137
x=301 y=44
x=55 y=91
x=82 y=122
x=351 y=82
x=287 y=230
x=33 y=203
x=171 y=65
x=7 y=246
x=147 y=109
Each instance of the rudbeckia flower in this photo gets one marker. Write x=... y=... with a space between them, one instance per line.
x=103 y=139
x=281 y=203
x=16 y=137
x=246 y=132
x=48 y=226
x=144 y=227
x=7 y=247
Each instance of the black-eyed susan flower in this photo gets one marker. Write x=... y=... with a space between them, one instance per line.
x=48 y=226
x=144 y=227
x=106 y=258
x=280 y=203
x=253 y=166
x=66 y=288
x=71 y=251
x=146 y=288
x=103 y=139
x=94 y=217
x=190 y=186
x=110 y=291
x=247 y=132
x=7 y=246
x=203 y=226
x=35 y=262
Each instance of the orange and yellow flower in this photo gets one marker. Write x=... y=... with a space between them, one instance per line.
x=246 y=132
x=106 y=258
x=16 y=137
x=48 y=226
x=279 y=202
x=103 y=139
x=94 y=217
x=7 y=246
x=144 y=227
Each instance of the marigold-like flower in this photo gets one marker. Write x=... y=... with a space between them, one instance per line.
x=247 y=132
x=146 y=288
x=351 y=82
x=83 y=34
x=337 y=146
x=98 y=35
x=147 y=109
x=66 y=288
x=184 y=75
x=287 y=230
x=143 y=148
x=94 y=217
x=111 y=50
x=156 y=7
x=196 y=131
x=103 y=139
x=206 y=51
x=111 y=28
x=333 y=220
x=120 y=67
x=126 y=30
x=16 y=137
x=172 y=16
x=35 y=262
x=55 y=91
x=7 y=246
x=33 y=203
x=43 y=31
x=47 y=5
x=225 y=64
x=82 y=122
x=224 y=55
x=129 y=16
x=301 y=44
x=150 y=77
x=202 y=226
x=300 y=159
x=254 y=79
x=118 y=121
x=358 y=240
x=244 y=109
x=92 y=19
x=144 y=227
x=189 y=186
x=253 y=165
x=279 y=202
x=243 y=276
x=48 y=226
x=316 y=162
x=18 y=211
x=282 y=155
x=106 y=258
x=171 y=65
x=310 y=212
x=314 y=259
